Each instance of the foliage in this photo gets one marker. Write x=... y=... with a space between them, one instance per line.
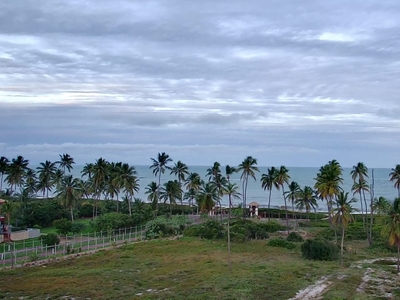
x=242 y=230
x=319 y=250
x=210 y=230
x=50 y=239
x=42 y=213
x=112 y=221
x=295 y=237
x=273 y=226
x=77 y=227
x=163 y=226
x=281 y=243
x=63 y=226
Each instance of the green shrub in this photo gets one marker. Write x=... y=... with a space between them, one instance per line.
x=77 y=227
x=295 y=237
x=210 y=230
x=163 y=226
x=191 y=231
x=326 y=234
x=63 y=226
x=249 y=229
x=281 y=243
x=50 y=239
x=112 y=221
x=273 y=226
x=319 y=250
x=356 y=231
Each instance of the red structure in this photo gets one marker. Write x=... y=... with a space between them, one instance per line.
x=4 y=230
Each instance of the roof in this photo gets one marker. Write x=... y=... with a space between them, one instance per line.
x=254 y=204
x=2 y=201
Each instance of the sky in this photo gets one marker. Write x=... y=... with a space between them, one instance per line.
x=295 y=83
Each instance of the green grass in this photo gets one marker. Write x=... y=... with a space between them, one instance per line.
x=181 y=269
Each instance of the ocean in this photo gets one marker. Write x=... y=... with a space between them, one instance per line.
x=302 y=175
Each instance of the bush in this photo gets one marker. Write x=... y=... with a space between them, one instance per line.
x=163 y=226
x=63 y=226
x=281 y=243
x=273 y=226
x=243 y=230
x=210 y=230
x=319 y=250
x=326 y=234
x=295 y=237
x=50 y=239
x=112 y=221
x=77 y=227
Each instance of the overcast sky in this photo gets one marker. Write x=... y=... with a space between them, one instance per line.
x=297 y=83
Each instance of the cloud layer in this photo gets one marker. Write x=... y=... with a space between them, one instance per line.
x=293 y=84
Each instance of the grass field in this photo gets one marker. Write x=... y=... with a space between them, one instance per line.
x=178 y=269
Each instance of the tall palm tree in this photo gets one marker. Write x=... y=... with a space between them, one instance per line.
x=268 y=181
x=381 y=205
x=207 y=197
x=68 y=193
x=328 y=181
x=343 y=216
x=88 y=170
x=152 y=192
x=171 y=191
x=293 y=194
x=360 y=187
x=193 y=183
x=129 y=182
x=248 y=168
x=395 y=177
x=214 y=171
x=46 y=172
x=359 y=173
x=99 y=175
x=30 y=181
x=282 y=178
x=230 y=190
x=391 y=230
x=180 y=170
x=3 y=169
x=307 y=200
x=159 y=165
x=229 y=171
x=66 y=162
x=16 y=172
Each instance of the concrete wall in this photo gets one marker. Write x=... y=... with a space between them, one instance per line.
x=23 y=235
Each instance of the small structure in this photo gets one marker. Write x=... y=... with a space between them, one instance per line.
x=4 y=230
x=253 y=208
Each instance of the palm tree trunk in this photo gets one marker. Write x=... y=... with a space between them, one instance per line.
x=371 y=221
x=129 y=205
x=229 y=236
x=341 y=245
x=287 y=219
x=269 y=205
x=72 y=214
x=362 y=210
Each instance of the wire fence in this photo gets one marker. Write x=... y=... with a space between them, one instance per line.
x=21 y=252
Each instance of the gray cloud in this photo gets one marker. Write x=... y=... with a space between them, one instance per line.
x=210 y=80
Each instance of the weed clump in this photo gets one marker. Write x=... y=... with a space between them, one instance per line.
x=295 y=237
x=281 y=243
x=319 y=250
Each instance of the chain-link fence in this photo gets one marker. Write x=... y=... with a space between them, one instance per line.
x=20 y=252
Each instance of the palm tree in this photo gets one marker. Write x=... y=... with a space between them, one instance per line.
x=229 y=171
x=68 y=193
x=193 y=183
x=395 y=177
x=358 y=174
x=129 y=182
x=159 y=165
x=88 y=170
x=46 y=172
x=381 y=205
x=230 y=190
x=268 y=181
x=214 y=171
x=99 y=172
x=66 y=162
x=282 y=178
x=307 y=200
x=328 y=183
x=293 y=194
x=30 y=181
x=152 y=191
x=207 y=197
x=180 y=170
x=343 y=216
x=360 y=187
x=8 y=208
x=248 y=168
x=16 y=172
x=392 y=228
x=3 y=169
x=171 y=191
